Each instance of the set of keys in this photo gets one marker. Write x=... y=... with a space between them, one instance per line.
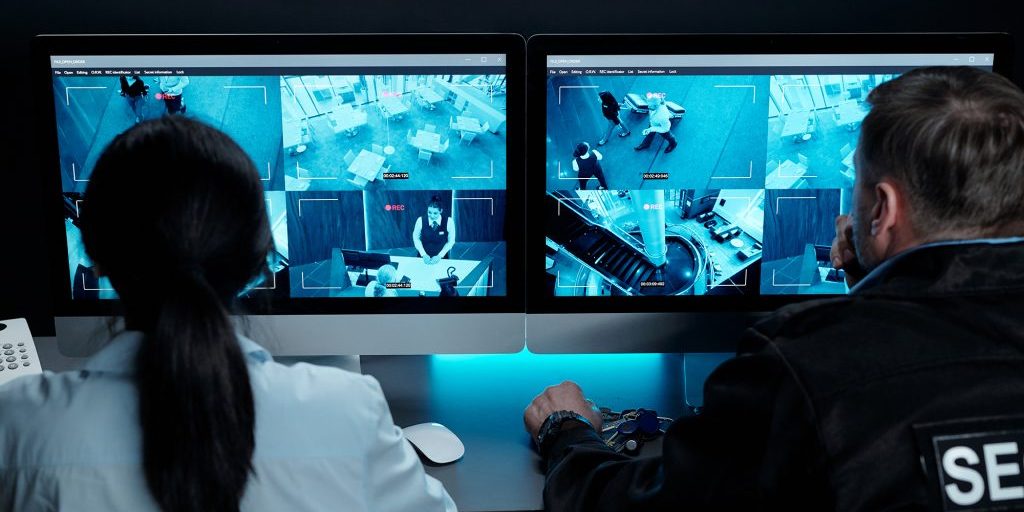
x=626 y=431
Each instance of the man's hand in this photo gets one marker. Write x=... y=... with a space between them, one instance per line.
x=843 y=254
x=566 y=396
x=434 y=260
x=646 y=131
x=426 y=259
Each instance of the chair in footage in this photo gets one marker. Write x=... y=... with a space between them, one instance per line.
x=486 y=127
x=848 y=174
x=358 y=181
x=349 y=158
x=430 y=128
x=383 y=169
x=444 y=146
x=408 y=136
x=467 y=137
x=812 y=125
x=847 y=168
x=451 y=123
x=377 y=148
x=425 y=156
x=803 y=160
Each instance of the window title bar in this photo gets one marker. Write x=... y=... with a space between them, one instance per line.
x=279 y=61
x=772 y=60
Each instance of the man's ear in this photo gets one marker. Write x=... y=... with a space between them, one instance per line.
x=888 y=217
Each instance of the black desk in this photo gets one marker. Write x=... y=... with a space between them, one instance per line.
x=481 y=399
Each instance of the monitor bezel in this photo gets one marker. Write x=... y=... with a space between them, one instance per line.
x=541 y=46
x=512 y=45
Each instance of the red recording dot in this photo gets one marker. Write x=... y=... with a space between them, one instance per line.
x=387 y=207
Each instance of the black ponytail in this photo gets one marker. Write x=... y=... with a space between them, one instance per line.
x=195 y=403
x=178 y=255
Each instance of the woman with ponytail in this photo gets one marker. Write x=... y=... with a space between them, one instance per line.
x=180 y=411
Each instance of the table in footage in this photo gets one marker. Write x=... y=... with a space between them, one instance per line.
x=796 y=124
x=849 y=114
x=468 y=124
x=366 y=165
x=430 y=96
x=427 y=141
x=393 y=106
x=293 y=135
x=347 y=119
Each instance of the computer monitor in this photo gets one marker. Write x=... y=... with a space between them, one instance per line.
x=374 y=149
x=698 y=174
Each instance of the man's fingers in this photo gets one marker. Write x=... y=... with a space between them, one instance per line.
x=841 y=249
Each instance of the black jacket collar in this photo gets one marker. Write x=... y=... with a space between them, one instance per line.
x=949 y=268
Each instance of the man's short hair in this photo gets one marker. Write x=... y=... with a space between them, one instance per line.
x=954 y=138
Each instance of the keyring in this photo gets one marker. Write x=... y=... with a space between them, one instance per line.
x=627 y=430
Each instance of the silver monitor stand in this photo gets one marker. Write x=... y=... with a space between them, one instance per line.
x=308 y=337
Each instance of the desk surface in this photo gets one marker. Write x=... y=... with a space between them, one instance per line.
x=424 y=276
x=481 y=398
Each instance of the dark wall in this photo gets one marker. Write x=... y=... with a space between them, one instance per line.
x=479 y=215
x=24 y=280
x=791 y=221
x=332 y=220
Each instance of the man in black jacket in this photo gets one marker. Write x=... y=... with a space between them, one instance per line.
x=909 y=392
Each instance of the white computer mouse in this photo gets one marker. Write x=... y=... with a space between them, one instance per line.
x=438 y=444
